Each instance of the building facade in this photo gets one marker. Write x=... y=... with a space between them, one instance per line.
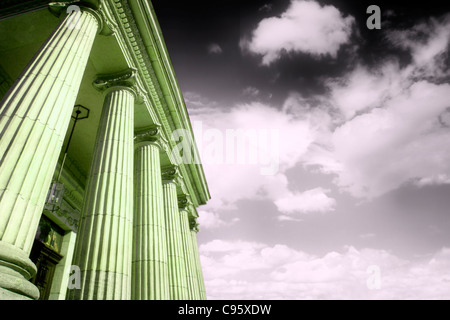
x=97 y=200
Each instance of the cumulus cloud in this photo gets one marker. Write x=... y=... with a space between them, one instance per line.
x=314 y=200
x=364 y=89
x=391 y=126
x=378 y=128
x=248 y=270
x=389 y=146
x=306 y=27
x=256 y=143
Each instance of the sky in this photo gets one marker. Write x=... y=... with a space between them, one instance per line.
x=325 y=145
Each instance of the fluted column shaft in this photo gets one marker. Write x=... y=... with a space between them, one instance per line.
x=34 y=117
x=104 y=243
x=191 y=271
x=176 y=261
x=150 y=279
x=201 y=283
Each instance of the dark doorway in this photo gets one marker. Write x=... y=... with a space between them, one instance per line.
x=45 y=255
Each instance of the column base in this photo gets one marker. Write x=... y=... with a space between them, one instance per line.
x=15 y=271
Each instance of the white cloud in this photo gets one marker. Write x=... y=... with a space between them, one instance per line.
x=284 y=217
x=434 y=180
x=212 y=220
x=314 y=200
x=214 y=48
x=392 y=123
x=197 y=104
x=389 y=146
x=305 y=27
x=247 y=270
x=428 y=42
x=285 y=139
x=364 y=89
x=378 y=129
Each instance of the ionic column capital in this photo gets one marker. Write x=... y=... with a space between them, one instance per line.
x=123 y=80
x=170 y=173
x=193 y=224
x=61 y=9
x=184 y=201
x=151 y=135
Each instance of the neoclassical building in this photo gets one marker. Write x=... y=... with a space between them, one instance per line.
x=96 y=200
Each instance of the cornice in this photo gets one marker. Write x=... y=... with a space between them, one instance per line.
x=144 y=9
x=129 y=31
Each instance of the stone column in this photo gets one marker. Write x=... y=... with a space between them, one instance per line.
x=104 y=242
x=201 y=283
x=177 y=265
x=191 y=271
x=150 y=279
x=34 y=116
